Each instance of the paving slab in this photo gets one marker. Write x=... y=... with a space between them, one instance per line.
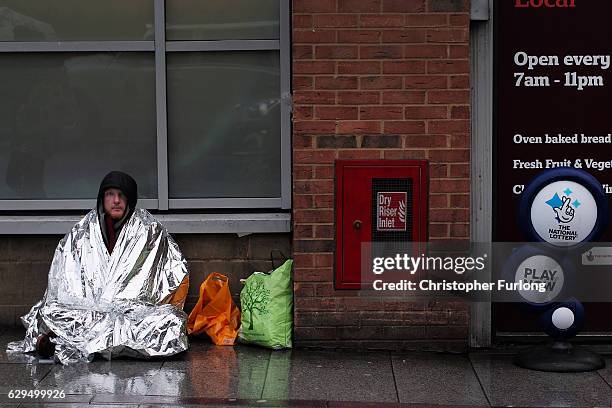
x=121 y=376
x=332 y=376
x=151 y=401
x=199 y=346
x=9 y=335
x=77 y=399
x=508 y=385
x=21 y=376
x=277 y=383
x=213 y=405
x=444 y=379
x=214 y=372
x=236 y=403
x=345 y=404
x=70 y=405
x=117 y=399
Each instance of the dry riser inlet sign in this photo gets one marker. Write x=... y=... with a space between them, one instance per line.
x=391 y=211
x=553 y=87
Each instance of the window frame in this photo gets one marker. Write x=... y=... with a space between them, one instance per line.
x=160 y=47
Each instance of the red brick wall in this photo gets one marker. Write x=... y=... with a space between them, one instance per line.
x=377 y=79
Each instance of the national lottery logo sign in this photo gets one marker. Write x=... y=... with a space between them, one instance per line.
x=564 y=208
x=564 y=213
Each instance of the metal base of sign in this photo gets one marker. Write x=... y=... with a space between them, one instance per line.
x=559 y=357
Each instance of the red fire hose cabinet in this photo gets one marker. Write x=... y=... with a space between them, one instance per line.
x=377 y=201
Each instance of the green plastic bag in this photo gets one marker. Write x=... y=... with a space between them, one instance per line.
x=267 y=308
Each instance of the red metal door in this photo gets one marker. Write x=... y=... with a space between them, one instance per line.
x=356 y=208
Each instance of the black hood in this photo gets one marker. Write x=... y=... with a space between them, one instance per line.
x=122 y=181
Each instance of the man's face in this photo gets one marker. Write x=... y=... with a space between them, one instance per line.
x=115 y=203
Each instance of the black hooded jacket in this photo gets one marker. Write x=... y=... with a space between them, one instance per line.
x=127 y=185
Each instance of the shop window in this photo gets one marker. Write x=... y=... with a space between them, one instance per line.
x=222 y=20
x=69 y=117
x=223 y=115
x=76 y=20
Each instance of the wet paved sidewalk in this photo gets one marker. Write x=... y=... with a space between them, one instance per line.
x=244 y=376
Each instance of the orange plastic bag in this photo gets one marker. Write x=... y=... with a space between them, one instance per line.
x=177 y=298
x=215 y=313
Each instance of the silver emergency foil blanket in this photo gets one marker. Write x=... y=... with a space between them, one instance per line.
x=117 y=304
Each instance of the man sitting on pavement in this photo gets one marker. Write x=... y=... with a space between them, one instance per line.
x=117 y=286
